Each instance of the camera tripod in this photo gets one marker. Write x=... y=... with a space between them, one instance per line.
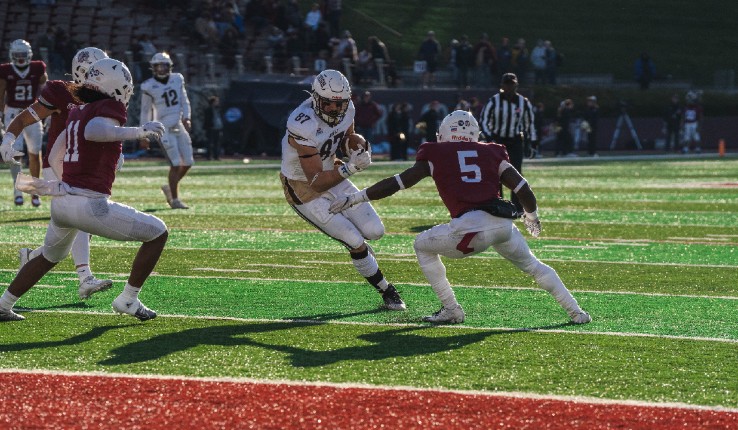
x=624 y=118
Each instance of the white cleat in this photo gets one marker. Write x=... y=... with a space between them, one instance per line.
x=9 y=315
x=580 y=317
x=92 y=285
x=446 y=316
x=177 y=204
x=24 y=254
x=167 y=193
x=133 y=307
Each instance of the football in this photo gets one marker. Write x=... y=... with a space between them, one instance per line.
x=352 y=142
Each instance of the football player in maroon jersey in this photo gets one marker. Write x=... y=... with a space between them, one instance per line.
x=85 y=157
x=467 y=174
x=20 y=82
x=55 y=101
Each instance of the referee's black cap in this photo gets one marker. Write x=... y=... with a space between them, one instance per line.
x=509 y=78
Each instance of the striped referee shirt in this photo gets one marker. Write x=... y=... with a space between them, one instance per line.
x=502 y=119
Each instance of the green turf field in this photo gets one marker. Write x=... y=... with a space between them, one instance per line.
x=245 y=288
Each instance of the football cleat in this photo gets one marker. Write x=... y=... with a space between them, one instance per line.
x=19 y=200
x=177 y=204
x=35 y=201
x=167 y=193
x=580 y=317
x=92 y=285
x=446 y=316
x=392 y=300
x=133 y=307
x=24 y=254
x=9 y=315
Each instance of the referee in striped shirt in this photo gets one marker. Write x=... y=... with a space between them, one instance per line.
x=507 y=119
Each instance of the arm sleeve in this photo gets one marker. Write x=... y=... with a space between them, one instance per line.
x=146 y=114
x=186 y=111
x=102 y=129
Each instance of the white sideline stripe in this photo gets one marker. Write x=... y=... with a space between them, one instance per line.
x=722 y=239
x=346 y=385
x=49 y=286
x=573 y=247
x=440 y=327
x=486 y=255
x=413 y=284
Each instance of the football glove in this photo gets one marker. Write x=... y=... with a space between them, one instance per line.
x=7 y=152
x=361 y=158
x=532 y=223
x=342 y=203
x=151 y=129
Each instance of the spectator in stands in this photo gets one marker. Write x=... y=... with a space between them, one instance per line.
x=645 y=71
x=213 y=125
x=464 y=61
x=672 y=123
x=452 y=59
x=519 y=60
x=539 y=110
x=367 y=115
x=485 y=60
x=364 y=72
x=398 y=127
x=47 y=41
x=538 y=60
x=277 y=47
x=333 y=11
x=564 y=138
x=347 y=48
x=379 y=50
x=292 y=14
x=206 y=30
x=313 y=17
x=553 y=61
x=137 y=65
x=430 y=51
x=228 y=47
x=504 y=56
x=590 y=116
x=429 y=121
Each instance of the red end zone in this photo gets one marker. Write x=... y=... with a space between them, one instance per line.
x=32 y=400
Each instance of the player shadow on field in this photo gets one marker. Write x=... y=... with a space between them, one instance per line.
x=81 y=338
x=378 y=345
x=28 y=220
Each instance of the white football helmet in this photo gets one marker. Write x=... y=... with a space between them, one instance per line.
x=110 y=77
x=82 y=61
x=330 y=87
x=161 y=65
x=20 y=53
x=458 y=126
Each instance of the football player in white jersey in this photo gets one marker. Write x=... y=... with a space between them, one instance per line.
x=312 y=176
x=164 y=99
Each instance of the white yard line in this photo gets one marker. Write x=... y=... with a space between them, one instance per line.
x=439 y=327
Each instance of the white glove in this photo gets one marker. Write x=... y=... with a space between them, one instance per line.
x=151 y=129
x=361 y=158
x=7 y=152
x=532 y=223
x=342 y=203
x=119 y=166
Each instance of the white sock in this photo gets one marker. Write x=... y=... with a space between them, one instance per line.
x=14 y=170
x=435 y=273
x=7 y=300
x=549 y=280
x=83 y=272
x=35 y=253
x=367 y=267
x=130 y=291
x=81 y=249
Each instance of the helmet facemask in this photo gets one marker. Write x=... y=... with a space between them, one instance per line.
x=20 y=53
x=331 y=96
